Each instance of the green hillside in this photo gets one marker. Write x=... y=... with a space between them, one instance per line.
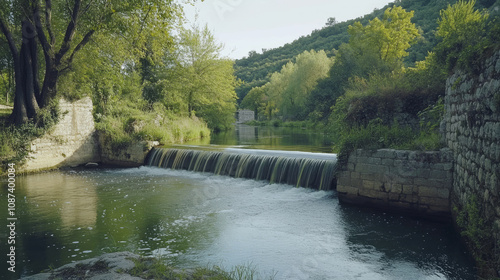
x=256 y=69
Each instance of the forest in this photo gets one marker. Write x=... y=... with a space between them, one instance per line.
x=383 y=83
x=150 y=77
x=255 y=69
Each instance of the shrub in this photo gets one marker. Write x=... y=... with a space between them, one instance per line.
x=125 y=124
x=15 y=141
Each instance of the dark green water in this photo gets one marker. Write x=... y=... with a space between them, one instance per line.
x=271 y=138
x=194 y=219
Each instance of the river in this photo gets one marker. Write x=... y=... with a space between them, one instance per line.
x=197 y=219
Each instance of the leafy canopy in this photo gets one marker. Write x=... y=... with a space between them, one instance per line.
x=389 y=38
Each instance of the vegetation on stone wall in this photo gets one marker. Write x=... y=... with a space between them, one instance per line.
x=15 y=141
x=475 y=229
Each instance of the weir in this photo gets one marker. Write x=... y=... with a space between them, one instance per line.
x=301 y=169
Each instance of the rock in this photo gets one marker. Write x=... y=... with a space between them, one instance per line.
x=105 y=267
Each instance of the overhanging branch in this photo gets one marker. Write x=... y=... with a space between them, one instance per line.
x=70 y=32
x=80 y=45
x=10 y=39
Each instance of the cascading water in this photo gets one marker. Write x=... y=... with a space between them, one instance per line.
x=300 y=169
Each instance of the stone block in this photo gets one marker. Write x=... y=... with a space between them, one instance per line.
x=448 y=166
x=374 y=160
x=427 y=191
x=385 y=154
x=372 y=176
x=409 y=189
x=423 y=172
x=394 y=188
x=373 y=194
x=369 y=185
x=355 y=175
x=345 y=179
x=358 y=183
x=351 y=166
x=394 y=197
x=421 y=182
x=371 y=168
x=348 y=190
x=388 y=162
x=401 y=155
x=438 y=174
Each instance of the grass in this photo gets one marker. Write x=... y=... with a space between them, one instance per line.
x=124 y=128
x=5 y=113
x=158 y=269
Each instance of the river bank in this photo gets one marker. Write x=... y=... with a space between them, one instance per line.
x=130 y=266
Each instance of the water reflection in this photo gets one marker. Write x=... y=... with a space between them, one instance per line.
x=73 y=198
x=394 y=241
x=271 y=138
x=197 y=219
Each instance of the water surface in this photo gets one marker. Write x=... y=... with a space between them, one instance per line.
x=195 y=219
x=271 y=138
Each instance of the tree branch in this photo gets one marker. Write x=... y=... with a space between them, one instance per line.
x=70 y=32
x=46 y=46
x=48 y=23
x=10 y=39
x=78 y=47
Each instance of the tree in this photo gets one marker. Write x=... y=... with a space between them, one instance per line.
x=203 y=79
x=331 y=22
x=462 y=31
x=61 y=30
x=255 y=100
x=389 y=37
x=308 y=69
x=287 y=91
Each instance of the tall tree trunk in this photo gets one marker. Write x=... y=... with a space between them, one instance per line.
x=49 y=88
x=19 y=114
x=26 y=73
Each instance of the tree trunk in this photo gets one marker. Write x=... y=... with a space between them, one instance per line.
x=26 y=77
x=49 y=88
x=29 y=81
x=19 y=114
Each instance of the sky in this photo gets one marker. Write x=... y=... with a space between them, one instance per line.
x=246 y=25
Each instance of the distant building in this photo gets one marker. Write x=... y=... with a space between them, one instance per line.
x=243 y=116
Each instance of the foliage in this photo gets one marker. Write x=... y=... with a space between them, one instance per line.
x=372 y=50
x=62 y=30
x=399 y=110
x=463 y=34
x=158 y=268
x=375 y=135
x=474 y=229
x=15 y=141
x=126 y=124
x=194 y=80
x=287 y=91
x=389 y=38
x=255 y=70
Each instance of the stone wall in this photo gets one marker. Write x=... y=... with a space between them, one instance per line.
x=74 y=141
x=472 y=130
x=131 y=156
x=408 y=181
x=243 y=116
x=71 y=142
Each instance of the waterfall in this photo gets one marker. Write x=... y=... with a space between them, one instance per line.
x=307 y=170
